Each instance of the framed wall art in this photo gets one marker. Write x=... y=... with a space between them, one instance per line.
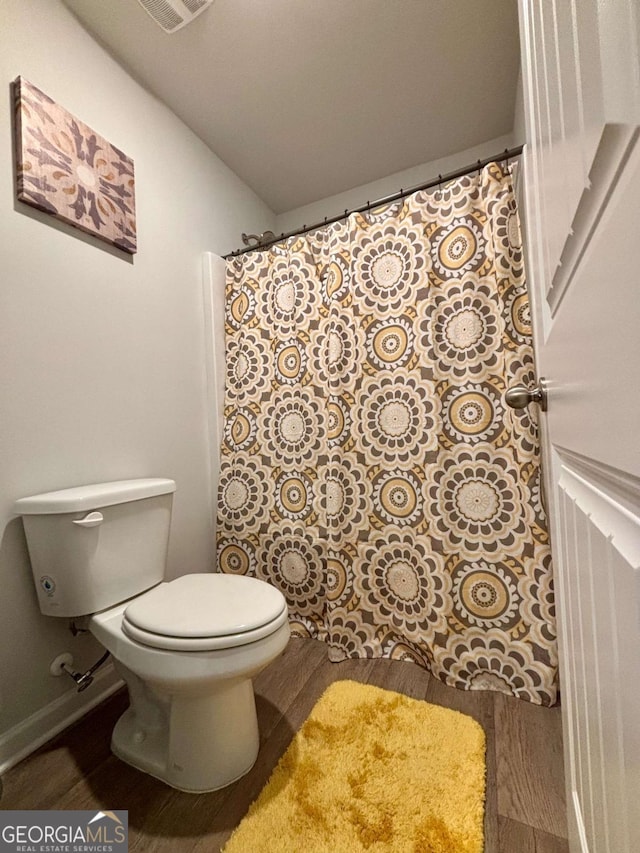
x=68 y=170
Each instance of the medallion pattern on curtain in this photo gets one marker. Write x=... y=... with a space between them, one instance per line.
x=370 y=468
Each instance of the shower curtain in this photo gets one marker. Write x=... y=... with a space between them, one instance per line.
x=370 y=469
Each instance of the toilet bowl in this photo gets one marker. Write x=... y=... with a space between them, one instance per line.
x=192 y=719
x=187 y=649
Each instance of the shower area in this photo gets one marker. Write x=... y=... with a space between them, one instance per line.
x=370 y=468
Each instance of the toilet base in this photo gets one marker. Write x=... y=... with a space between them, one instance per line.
x=152 y=764
x=193 y=743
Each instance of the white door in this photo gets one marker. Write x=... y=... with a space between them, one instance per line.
x=580 y=202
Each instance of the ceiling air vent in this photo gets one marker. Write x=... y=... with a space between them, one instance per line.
x=172 y=15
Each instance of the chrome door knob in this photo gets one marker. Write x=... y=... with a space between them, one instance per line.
x=520 y=396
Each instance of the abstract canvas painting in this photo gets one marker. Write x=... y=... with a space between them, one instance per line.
x=69 y=171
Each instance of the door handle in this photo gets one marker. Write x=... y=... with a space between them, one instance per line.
x=519 y=396
x=93 y=519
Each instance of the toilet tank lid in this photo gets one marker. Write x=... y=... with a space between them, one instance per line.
x=82 y=498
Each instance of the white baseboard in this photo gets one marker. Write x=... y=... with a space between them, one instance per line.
x=29 y=735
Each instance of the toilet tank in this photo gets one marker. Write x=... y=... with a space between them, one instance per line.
x=92 y=547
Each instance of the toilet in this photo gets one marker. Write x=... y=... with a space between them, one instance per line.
x=187 y=649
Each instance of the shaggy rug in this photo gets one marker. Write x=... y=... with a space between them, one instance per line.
x=371 y=770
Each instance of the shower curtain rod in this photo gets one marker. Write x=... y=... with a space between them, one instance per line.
x=507 y=154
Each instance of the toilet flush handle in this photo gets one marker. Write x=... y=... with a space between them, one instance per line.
x=93 y=519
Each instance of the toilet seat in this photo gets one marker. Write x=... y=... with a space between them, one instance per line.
x=204 y=612
x=201 y=644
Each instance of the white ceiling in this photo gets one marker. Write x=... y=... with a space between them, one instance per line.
x=307 y=98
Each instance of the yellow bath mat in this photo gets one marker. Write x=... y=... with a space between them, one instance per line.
x=371 y=770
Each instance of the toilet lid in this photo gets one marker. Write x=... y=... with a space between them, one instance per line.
x=206 y=605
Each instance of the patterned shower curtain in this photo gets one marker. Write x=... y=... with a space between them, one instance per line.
x=370 y=469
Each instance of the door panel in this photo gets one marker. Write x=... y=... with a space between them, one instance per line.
x=580 y=63
x=581 y=188
x=593 y=348
x=599 y=578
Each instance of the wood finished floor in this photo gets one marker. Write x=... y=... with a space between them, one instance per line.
x=525 y=808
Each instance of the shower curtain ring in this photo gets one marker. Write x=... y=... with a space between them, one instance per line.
x=479 y=167
x=440 y=182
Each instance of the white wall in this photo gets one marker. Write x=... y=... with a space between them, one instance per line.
x=358 y=196
x=519 y=125
x=102 y=360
